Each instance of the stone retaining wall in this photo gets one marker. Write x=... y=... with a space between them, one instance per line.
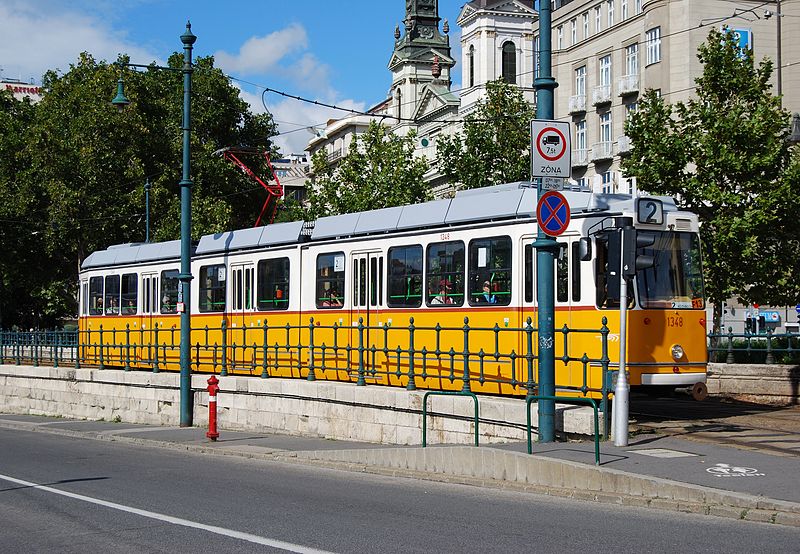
x=333 y=410
x=763 y=384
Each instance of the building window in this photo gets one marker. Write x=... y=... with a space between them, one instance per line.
x=630 y=109
x=510 y=63
x=605 y=127
x=273 y=284
x=580 y=134
x=632 y=59
x=624 y=6
x=445 y=273
x=560 y=35
x=598 y=19
x=330 y=280
x=605 y=70
x=490 y=271
x=471 y=65
x=586 y=25
x=580 y=81
x=653 y=45
x=637 y=7
x=574 y=31
x=536 y=57
x=405 y=277
x=610 y=13
x=608 y=183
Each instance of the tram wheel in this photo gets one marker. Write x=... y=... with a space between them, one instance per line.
x=699 y=391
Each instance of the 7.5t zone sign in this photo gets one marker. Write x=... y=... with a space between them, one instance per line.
x=551 y=152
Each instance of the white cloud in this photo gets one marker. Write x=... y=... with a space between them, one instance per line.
x=36 y=40
x=262 y=54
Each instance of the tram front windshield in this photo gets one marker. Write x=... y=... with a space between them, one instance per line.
x=676 y=278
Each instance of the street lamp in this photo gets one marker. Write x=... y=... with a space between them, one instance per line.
x=185 y=276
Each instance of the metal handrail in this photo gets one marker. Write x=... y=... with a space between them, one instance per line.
x=566 y=400
x=445 y=393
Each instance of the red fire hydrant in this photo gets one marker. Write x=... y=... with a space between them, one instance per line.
x=213 y=389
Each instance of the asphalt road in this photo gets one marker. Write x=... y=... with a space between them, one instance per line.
x=63 y=494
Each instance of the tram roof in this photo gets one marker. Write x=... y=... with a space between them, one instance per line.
x=271 y=235
x=501 y=202
x=507 y=201
x=133 y=253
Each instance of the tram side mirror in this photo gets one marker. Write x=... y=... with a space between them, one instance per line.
x=585 y=249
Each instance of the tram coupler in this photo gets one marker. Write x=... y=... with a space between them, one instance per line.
x=213 y=389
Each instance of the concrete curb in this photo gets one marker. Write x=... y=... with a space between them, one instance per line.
x=499 y=469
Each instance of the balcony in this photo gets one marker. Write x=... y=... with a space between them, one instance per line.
x=334 y=156
x=629 y=84
x=601 y=95
x=577 y=104
x=624 y=145
x=580 y=157
x=602 y=151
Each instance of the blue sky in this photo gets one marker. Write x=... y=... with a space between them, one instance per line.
x=334 y=52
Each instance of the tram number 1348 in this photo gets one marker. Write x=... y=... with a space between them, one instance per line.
x=674 y=321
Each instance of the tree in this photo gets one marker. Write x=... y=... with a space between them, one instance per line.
x=725 y=156
x=495 y=144
x=83 y=166
x=379 y=171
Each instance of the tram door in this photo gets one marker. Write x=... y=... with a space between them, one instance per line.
x=368 y=285
x=151 y=309
x=567 y=294
x=242 y=294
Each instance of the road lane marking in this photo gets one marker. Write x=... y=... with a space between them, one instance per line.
x=289 y=547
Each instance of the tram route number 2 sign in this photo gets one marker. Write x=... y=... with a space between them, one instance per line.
x=551 y=151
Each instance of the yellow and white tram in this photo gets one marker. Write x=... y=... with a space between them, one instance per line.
x=258 y=295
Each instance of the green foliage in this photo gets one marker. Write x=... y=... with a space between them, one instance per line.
x=725 y=156
x=494 y=147
x=75 y=168
x=379 y=171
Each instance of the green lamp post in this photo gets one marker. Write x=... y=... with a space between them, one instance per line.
x=185 y=276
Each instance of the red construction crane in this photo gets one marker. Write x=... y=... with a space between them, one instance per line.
x=272 y=186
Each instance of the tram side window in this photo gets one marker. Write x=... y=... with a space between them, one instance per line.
x=212 y=288
x=405 y=277
x=85 y=298
x=330 y=280
x=445 y=273
x=273 y=284
x=576 y=272
x=112 y=295
x=130 y=283
x=562 y=274
x=529 y=273
x=169 y=291
x=96 y=296
x=490 y=271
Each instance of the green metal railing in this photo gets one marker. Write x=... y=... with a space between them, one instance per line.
x=566 y=400
x=766 y=348
x=496 y=359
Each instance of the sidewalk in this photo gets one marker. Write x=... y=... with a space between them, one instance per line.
x=653 y=471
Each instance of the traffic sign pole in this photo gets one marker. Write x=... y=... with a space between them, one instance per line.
x=545 y=246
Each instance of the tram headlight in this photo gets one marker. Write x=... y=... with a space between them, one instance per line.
x=677 y=352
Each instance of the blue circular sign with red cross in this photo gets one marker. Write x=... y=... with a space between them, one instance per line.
x=552 y=213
